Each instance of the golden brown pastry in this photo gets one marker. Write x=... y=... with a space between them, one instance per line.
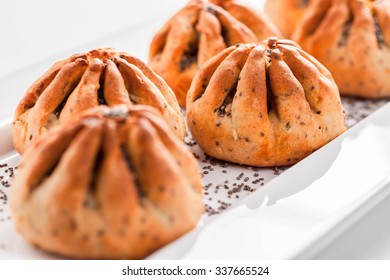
x=352 y=39
x=83 y=81
x=257 y=21
x=113 y=184
x=199 y=31
x=263 y=105
x=286 y=14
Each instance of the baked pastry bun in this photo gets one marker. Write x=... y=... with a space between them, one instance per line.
x=199 y=31
x=352 y=39
x=263 y=105
x=113 y=184
x=286 y=14
x=257 y=21
x=83 y=81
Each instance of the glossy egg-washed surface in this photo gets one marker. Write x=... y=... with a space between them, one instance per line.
x=84 y=81
x=116 y=184
x=198 y=32
x=264 y=105
x=352 y=39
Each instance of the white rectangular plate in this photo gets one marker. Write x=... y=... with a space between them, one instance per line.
x=251 y=212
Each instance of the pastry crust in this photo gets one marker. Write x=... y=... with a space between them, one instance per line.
x=257 y=21
x=83 y=81
x=113 y=184
x=352 y=39
x=263 y=105
x=286 y=14
x=198 y=32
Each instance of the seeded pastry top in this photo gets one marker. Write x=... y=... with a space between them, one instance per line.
x=84 y=81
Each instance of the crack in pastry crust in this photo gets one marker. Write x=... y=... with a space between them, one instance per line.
x=264 y=105
x=83 y=81
x=115 y=183
x=350 y=36
x=199 y=31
